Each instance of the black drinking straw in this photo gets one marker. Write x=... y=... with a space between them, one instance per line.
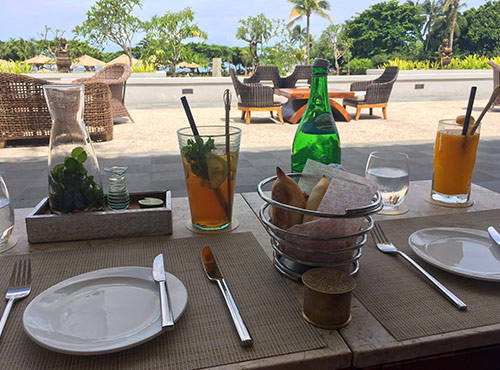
x=469 y=110
x=227 y=107
x=190 y=118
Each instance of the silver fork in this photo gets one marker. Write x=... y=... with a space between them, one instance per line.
x=20 y=287
x=384 y=245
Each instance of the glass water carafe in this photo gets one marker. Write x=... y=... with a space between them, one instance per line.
x=74 y=177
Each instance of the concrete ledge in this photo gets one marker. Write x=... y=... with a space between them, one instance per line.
x=155 y=90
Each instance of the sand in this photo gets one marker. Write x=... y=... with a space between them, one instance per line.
x=154 y=130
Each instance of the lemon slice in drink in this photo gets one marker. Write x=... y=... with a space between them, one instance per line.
x=217 y=170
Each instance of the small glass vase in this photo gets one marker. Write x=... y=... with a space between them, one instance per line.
x=118 y=196
x=74 y=177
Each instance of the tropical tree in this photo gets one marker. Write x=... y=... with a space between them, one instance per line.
x=482 y=34
x=111 y=21
x=283 y=52
x=443 y=24
x=246 y=59
x=456 y=5
x=433 y=11
x=19 y=49
x=333 y=45
x=384 y=28
x=165 y=35
x=256 y=31
x=305 y=8
x=50 y=45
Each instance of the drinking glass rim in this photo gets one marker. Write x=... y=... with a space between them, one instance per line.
x=381 y=153
x=236 y=131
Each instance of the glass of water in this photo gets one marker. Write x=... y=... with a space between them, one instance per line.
x=6 y=217
x=390 y=171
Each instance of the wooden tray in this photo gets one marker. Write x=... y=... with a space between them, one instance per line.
x=43 y=226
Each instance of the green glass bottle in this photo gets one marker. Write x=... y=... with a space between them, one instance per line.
x=317 y=136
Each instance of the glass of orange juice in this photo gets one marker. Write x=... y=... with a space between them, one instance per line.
x=454 y=160
x=210 y=174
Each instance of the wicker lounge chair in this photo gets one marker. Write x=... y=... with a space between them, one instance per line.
x=254 y=97
x=374 y=94
x=264 y=73
x=301 y=72
x=24 y=113
x=496 y=80
x=115 y=76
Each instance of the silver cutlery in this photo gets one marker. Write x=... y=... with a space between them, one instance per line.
x=384 y=245
x=167 y=315
x=214 y=274
x=494 y=234
x=20 y=287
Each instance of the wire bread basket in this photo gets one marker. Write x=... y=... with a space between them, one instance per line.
x=296 y=253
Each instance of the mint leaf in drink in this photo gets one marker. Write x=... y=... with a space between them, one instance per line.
x=195 y=153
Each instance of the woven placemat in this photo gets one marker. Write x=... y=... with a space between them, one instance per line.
x=204 y=336
x=402 y=299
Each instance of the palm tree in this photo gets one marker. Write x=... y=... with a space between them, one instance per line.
x=305 y=8
x=456 y=5
x=432 y=11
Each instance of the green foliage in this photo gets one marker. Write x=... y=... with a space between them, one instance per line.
x=305 y=8
x=19 y=49
x=144 y=67
x=203 y=53
x=111 y=21
x=482 y=34
x=468 y=62
x=196 y=152
x=165 y=34
x=411 y=65
x=256 y=31
x=283 y=53
x=332 y=45
x=384 y=27
x=358 y=66
x=71 y=189
x=15 y=67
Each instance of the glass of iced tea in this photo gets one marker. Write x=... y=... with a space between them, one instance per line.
x=210 y=174
x=454 y=160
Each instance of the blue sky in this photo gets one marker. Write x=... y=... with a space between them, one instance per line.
x=219 y=18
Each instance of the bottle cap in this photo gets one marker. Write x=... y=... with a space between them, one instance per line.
x=321 y=63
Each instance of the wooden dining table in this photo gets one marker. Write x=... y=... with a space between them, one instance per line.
x=294 y=108
x=365 y=342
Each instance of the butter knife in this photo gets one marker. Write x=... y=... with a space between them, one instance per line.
x=214 y=274
x=167 y=316
x=494 y=234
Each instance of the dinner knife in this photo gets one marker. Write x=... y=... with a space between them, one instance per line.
x=494 y=234
x=214 y=274
x=167 y=316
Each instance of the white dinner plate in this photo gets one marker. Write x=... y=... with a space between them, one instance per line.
x=465 y=252
x=101 y=311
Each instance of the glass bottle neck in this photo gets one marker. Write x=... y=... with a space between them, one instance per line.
x=319 y=88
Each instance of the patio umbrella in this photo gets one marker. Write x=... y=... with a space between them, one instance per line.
x=40 y=60
x=188 y=65
x=123 y=59
x=88 y=61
